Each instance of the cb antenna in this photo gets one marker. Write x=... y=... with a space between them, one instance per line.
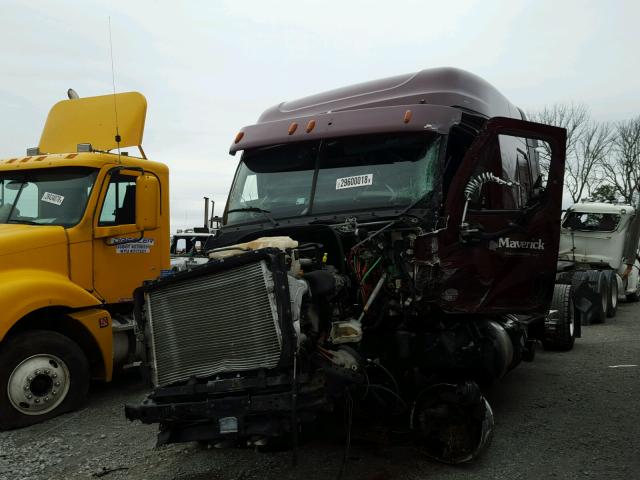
x=113 y=80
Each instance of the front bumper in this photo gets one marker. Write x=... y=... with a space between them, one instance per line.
x=190 y=413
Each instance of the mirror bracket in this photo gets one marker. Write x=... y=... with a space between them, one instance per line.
x=475 y=184
x=468 y=234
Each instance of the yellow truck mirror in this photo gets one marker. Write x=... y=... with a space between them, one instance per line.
x=147 y=202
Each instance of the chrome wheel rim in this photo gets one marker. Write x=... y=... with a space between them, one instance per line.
x=38 y=384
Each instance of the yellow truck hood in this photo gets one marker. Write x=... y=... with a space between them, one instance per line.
x=93 y=120
x=18 y=238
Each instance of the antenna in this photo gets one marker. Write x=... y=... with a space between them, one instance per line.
x=113 y=80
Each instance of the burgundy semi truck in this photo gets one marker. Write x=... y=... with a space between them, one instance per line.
x=387 y=250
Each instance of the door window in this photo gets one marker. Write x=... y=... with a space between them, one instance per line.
x=512 y=159
x=119 y=206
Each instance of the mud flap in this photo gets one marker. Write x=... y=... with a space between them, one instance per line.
x=585 y=300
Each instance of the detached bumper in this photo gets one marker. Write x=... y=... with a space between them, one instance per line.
x=230 y=417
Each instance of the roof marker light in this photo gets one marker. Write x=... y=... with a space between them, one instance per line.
x=238 y=137
x=292 y=128
x=407 y=116
x=310 y=126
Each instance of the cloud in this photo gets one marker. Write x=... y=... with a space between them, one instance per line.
x=209 y=68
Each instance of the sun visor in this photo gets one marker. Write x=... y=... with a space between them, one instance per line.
x=93 y=120
x=389 y=119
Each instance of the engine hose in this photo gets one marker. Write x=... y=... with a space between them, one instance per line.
x=379 y=318
x=373 y=296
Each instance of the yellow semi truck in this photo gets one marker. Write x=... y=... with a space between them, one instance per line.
x=82 y=224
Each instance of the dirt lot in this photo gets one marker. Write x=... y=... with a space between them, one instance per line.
x=566 y=415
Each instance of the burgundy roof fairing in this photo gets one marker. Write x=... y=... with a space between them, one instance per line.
x=446 y=86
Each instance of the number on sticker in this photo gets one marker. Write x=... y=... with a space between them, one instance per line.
x=355 y=181
x=52 y=198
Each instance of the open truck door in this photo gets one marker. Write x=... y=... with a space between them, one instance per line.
x=499 y=253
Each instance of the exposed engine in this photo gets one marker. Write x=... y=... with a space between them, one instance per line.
x=386 y=250
x=270 y=334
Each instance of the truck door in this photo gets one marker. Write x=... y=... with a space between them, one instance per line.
x=122 y=261
x=500 y=251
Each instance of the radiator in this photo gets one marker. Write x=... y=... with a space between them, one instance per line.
x=225 y=321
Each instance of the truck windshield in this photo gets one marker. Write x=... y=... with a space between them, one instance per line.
x=594 y=222
x=45 y=197
x=338 y=175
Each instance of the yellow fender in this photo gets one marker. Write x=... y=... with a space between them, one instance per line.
x=23 y=291
x=98 y=322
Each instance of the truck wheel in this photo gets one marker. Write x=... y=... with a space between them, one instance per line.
x=612 y=298
x=559 y=328
x=43 y=374
x=565 y=278
x=598 y=281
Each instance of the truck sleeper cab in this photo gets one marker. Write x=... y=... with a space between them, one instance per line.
x=386 y=248
x=79 y=231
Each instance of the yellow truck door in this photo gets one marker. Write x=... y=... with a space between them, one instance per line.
x=122 y=261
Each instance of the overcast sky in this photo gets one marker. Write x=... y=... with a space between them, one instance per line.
x=208 y=68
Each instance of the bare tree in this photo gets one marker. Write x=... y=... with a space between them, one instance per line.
x=571 y=117
x=622 y=168
x=588 y=143
x=584 y=172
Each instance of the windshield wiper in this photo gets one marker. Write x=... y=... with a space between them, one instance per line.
x=266 y=213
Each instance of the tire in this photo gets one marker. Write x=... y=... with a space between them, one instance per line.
x=565 y=278
x=559 y=328
x=632 y=297
x=43 y=374
x=612 y=291
x=598 y=282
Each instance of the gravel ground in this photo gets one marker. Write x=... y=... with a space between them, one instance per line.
x=566 y=415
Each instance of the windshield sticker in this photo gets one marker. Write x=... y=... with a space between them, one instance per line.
x=52 y=198
x=355 y=181
x=135 y=246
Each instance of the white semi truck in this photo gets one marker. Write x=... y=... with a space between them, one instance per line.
x=599 y=245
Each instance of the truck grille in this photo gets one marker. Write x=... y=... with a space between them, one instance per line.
x=220 y=322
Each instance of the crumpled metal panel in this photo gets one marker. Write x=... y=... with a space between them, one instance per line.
x=223 y=322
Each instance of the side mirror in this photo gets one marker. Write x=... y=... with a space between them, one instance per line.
x=147 y=202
